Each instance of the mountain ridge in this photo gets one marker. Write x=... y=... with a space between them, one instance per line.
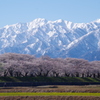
x=58 y=38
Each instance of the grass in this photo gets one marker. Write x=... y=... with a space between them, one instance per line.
x=49 y=94
x=48 y=79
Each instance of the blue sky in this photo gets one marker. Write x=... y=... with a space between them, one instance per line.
x=77 y=11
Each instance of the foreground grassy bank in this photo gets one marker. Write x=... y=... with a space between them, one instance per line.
x=48 y=79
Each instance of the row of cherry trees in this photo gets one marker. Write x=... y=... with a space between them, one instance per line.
x=20 y=65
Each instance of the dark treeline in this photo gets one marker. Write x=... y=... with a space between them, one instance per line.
x=23 y=65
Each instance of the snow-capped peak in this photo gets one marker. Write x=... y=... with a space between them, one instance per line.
x=58 y=38
x=59 y=21
x=97 y=21
x=39 y=20
x=36 y=23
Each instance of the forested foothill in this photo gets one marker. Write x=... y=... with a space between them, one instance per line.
x=23 y=65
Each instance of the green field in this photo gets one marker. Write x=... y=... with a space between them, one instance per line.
x=49 y=94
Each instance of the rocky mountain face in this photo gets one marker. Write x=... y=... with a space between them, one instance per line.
x=58 y=38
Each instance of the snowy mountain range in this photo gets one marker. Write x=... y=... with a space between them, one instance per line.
x=58 y=38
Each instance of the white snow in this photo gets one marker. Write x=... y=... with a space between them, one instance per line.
x=59 y=43
x=38 y=49
x=25 y=41
x=31 y=45
x=51 y=33
x=98 y=21
x=27 y=50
